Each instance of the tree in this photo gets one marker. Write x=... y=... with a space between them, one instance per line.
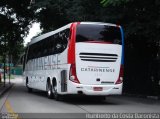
x=140 y=20
x=54 y=14
x=15 y=18
x=114 y=2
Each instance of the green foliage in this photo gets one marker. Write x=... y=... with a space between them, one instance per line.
x=15 y=19
x=141 y=22
x=139 y=18
x=53 y=14
x=114 y=2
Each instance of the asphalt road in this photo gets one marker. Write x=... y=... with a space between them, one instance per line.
x=19 y=102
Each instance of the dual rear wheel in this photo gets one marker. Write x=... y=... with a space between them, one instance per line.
x=52 y=91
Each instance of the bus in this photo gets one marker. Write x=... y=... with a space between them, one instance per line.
x=81 y=58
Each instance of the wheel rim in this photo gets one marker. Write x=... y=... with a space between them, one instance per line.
x=49 y=90
x=27 y=85
x=55 y=90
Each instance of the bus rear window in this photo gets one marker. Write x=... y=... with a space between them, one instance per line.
x=98 y=33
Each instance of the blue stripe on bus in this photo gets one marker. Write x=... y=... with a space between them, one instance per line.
x=122 y=58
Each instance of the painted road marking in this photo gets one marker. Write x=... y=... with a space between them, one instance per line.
x=10 y=110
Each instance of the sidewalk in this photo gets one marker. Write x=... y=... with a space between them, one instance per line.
x=6 y=88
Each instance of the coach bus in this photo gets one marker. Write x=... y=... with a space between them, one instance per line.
x=81 y=58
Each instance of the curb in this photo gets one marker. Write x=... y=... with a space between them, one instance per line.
x=5 y=89
x=142 y=96
x=153 y=97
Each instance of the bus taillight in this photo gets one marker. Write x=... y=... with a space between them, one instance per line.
x=120 y=78
x=73 y=75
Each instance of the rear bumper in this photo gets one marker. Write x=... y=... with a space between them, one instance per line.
x=74 y=88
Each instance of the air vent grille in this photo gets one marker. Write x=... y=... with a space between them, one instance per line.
x=98 y=57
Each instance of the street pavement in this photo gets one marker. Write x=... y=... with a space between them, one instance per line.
x=36 y=105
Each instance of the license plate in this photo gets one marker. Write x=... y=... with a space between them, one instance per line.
x=97 y=88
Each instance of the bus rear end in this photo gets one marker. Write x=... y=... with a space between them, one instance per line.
x=98 y=66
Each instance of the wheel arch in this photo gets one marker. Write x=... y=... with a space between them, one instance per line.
x=48 y=81
x=54 y=81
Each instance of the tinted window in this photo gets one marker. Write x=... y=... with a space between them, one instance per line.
x=62 y=41
x=104 y=33
x=54 y=44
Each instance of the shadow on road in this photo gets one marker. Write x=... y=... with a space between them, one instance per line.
x=109 y=100
x=79 y=100
x=86 y=100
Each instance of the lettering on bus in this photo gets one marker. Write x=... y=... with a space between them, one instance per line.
x=98 y=69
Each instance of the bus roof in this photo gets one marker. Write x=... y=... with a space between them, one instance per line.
x=39 y=38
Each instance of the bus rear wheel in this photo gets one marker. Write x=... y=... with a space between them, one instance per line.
x=49 y=90
x=27 y=85
x=55 y=94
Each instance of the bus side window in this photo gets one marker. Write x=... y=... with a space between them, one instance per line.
x=24 y=58
x=38 y=49
x=47 y=42
x=29 y=53
x=28 y=56
x=49 y=46
x=59 y=43
x=62 y=41
x=53 y=45
x=44 y=48
x=67 y=34
x=34 y=51
x=66 y=37
x=41 y=48
x=56 y=37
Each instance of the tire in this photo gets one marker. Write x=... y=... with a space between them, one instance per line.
x=28 y=88
x=55 y=94
x=49 y=90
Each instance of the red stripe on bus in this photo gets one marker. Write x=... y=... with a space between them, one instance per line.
x=71 y=49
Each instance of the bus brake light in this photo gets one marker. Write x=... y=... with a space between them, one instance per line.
x=120 y=78
x=73 y=75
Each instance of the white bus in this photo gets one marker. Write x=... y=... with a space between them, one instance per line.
x=81 y=58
